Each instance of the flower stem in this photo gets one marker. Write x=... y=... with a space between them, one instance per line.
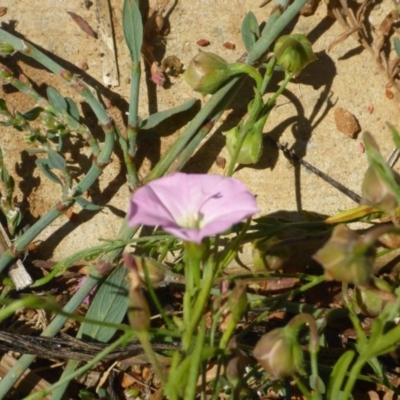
x=240 y=68
x=199 y=306
x=191 y=385
x=143 y=337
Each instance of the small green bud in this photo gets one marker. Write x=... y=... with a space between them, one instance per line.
x=5 y=73
x=206 y=73
x=346 y=258
x=293 y=53
x=251 y=149
x=368 y=301
x=279 y=353
x=6 y=49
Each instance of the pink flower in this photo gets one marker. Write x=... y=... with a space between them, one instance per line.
x=192 y=206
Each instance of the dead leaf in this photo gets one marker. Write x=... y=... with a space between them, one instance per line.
x=82 y=24
x=342 y=38
x=387 y=23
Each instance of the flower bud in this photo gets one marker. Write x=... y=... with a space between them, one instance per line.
x=138 y=308
x=5 y=73
x=346 y=258
x=293 y=53
x=266 y=257
x=237 y=300
x=279 y=353
x=157 y=74
x=251 y=149
x=236 y=364
x=6 y=49
x=206 y=73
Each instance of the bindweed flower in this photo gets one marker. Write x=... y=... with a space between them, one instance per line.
x=192 y=206
x=293 y=53
x=346 y=257
x=279 y=353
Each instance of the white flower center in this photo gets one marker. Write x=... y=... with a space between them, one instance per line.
x=193 y=220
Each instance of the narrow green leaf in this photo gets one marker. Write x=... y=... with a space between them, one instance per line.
x=396 y=42
x=56 y=160
x=109 y=305
x=395 y=135
x=4 y=175
x=43 y=165
x=338 y=374
x=72 y=108
x=250 y=30
x=133 y=28
x=87 y=205
x=155 y=119
x=31 y=115
x=56 y=100
x=386 y=343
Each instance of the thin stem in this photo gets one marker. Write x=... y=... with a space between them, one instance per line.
x=133 y=126
x=143 y=336
x=191 y=385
